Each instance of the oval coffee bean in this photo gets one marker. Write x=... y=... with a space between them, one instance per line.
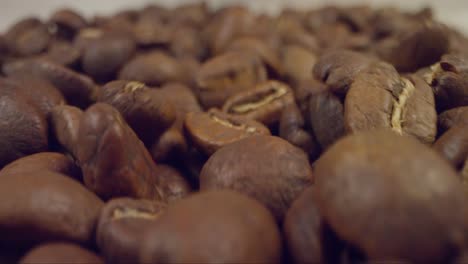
x=122 y=224
x=68 y=22
x=375 y=185
x=453 y=145
x=298 y=62
x=64 y=121
x=453 y=117
x=225 y=75
x=63 y=53
x=242 y=223
x=46 y=206
x=264 y=103
x=266 y=168
x=210 y=131
x=59 y=253
x=175 y=185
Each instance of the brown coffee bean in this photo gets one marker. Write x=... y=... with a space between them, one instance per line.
x=326 y=117
x=225 y=75
x=307 y=236
x=153 y=69
x=453 y=145
x=63 y=53
x=122 y=224
x=210 y=131
x=147 y=112
x=264 y=103
x=293 y=32
x=192 y=14
x=59 y=252
x=380 y=98
x=453 y=117
x=376 y=185
x=23 y=130
x=298 y=63
x=151 y=31
x=44 y=161
x=113 y=160
x=103 y=56
x=65 y=121
x=304 y=90
x=28 y=37
x=67 y=22
x=291 y=128
x=266 y=168
x=78 y=89
x=176 y=187
x=186 y=42
x=46 y=206
x=242 y=223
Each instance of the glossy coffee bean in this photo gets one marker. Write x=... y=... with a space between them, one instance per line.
x=225 y=75
x=375 y=185
x=60 y=252
x=212 y=130
x=114 y=161
x=264 y=103
x=175 y=185
x=64 y=121
x=144 y=109
x=193 y=225
x=453 y=145
x=266 y=168
x=453 y=117
x=122 y=224
x=380 y=98
x=298 y=62
x=46 y=206
x=44 y=161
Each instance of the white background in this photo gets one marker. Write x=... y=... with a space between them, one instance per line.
x=452 y=12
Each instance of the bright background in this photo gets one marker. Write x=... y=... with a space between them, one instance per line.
x=452 y=12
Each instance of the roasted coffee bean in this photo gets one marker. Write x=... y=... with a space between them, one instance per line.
x=151 y=31
x=154 y=69
x=44 y=161
x=393 y=182
x=23 y=129
x=46 y=206
x=264 y=103
x=113 y=160
x=304 y=90
x=225 y=75
x=292 y=129
x=186 y=42
x=242 y=223
x=65 y=121
x=67 y=22
x=453 y=117
x=63 y=53
x=298 y=62
x=146 y=110
x=212 y=130
x=293 y=32
x=59 y=253
x=266 y=168
x=104 y=55
x=78 y=89
x=175 y=185
x=28 y=37
x=122 y=224
x=307 y=235
x=380 y=98
x=326 y=117
x=193 y=14
x=453 y=145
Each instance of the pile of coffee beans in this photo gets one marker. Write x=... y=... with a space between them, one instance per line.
x=194 y=135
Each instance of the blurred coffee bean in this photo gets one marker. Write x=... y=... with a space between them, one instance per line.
x=28 y=37
x=175 y=186
x=453 y=145
x=452 y=117
x=298 y=63
x=60 y=252
x=64 y=121
x=67 y=22
x=63 y=53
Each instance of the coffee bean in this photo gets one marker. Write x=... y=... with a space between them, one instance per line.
x=266 y=168
x=28 y=37
x=67 y=22
x=193 y=14
x=151 y=31
x=264 y=103
x=186 y=42
x=59 y=252
x=393 y=182
x=225 y=75
x=298 y=62
x=46 y=206
x=122 y=224
x=453 y=145
x=63 y=53
x=213 y=130
x=242 y=223
x=453 y=117
x=64 y=121
x=175 y=186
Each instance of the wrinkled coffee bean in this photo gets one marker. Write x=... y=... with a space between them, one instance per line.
x=78 y=89
x=264 y=103
x=380 y=98
x=225 y=75
x=64 y=121
x=44 y=161
x=67 y=22
x=144 y=109
x=298 y=62
x=453 y=145
x=122 y=224
x=46 y=206
x=210 y=131
x=393 y=183
x=114 y=161
x=243 y=224
x=175 y=186
x=453 y=117
x=154 y=69
x=59 y=252
x=266 y=168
